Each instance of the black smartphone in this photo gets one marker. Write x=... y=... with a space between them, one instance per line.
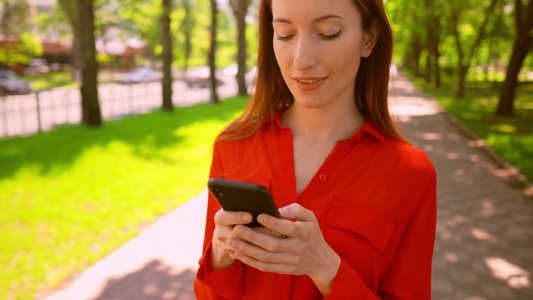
x=241 y=196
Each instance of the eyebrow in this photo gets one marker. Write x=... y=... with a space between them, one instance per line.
x=319 y=19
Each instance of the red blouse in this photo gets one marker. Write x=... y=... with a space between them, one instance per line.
x=374 y=198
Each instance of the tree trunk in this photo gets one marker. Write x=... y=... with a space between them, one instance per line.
x=508 y=89
x=430 y=39
x=435 y=50
x=427 y=74
x=187 y=25
x=167 y=56
x=211 y=57
x=76 y=59
x=524 y=39
x=241 y=57
x=463 y=70
x=464 y=61
x=70 y=10
x=417 y=51
x=89 y=68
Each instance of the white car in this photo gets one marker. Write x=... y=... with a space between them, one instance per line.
x=37 y=66
x=199 y=77
x=142 y=74
x=10 y=83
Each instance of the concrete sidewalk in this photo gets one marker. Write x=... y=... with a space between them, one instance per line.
x=159 y=263
x=484 y=242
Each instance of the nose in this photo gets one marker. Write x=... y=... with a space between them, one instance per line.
x=304 y=57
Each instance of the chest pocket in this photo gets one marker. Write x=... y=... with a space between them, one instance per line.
x=373 y=226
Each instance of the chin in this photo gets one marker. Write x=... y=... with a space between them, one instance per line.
x=311 y=103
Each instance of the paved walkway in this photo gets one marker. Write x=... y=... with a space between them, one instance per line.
x=484 y=246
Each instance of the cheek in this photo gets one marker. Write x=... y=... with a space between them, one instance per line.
x=346 y=59
x=284 y=60
x=282 y=56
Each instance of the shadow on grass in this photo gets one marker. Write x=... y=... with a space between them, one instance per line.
x=59 y=148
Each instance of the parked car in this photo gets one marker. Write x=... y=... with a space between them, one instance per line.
x=37 y=66
x=142 y=74
x=231 y=70
x=10 y=83
x=199 y=77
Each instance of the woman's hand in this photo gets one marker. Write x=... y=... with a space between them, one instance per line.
x=303 y=251
x=222 y=254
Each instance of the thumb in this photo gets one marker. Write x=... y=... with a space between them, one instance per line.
x=297 y=212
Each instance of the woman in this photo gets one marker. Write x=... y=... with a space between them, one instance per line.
x=358 y=203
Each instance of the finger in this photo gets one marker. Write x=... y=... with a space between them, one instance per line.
x=221 y=235
x=279 y=268
x=297 y=212
x=224 y=217
x=265 y=241
x=286 y=228
x=257 y=252
x=270 y=232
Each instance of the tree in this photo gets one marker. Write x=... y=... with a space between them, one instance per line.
x=464 y=59
x=496 y=46
x=68 y=7
x=240 y=9
x=167 y=55
x=432 y=41
x=186 y=27
x=409 y=36
x=89 y=69
x=20 y=50
x=19 y=45
x=212 y=51
x=14 y=16
x=522 y=44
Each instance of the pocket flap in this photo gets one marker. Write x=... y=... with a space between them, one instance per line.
x=368 y=222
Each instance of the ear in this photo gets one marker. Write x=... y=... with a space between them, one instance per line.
x=371 y=38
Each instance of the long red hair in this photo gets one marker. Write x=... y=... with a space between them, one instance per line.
x=371 y=87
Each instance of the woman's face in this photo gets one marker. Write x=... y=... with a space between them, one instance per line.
x=318 y=46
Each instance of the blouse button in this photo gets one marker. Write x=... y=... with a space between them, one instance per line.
x=322 y=177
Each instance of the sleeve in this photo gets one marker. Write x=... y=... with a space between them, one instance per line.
x=409 y=275
x=210 y=284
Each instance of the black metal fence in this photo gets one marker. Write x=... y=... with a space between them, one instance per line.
x=42 y=110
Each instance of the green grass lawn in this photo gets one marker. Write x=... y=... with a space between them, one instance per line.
x=51 y=80
x=64 y=79
x=512 y=138
x=72 y=195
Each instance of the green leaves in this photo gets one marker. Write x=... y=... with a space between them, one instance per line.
x=27 y=47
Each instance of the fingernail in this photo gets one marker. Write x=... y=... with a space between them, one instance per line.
x=261 y=219
x=239 y=230
x=246 y=219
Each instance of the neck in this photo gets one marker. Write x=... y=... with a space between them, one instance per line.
x=323 y=124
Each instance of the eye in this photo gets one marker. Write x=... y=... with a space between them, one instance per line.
x=331 y=36
x=284 y=38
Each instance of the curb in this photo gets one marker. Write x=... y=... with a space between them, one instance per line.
x=477 y=142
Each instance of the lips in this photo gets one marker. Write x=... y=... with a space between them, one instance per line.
x=308 y=83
